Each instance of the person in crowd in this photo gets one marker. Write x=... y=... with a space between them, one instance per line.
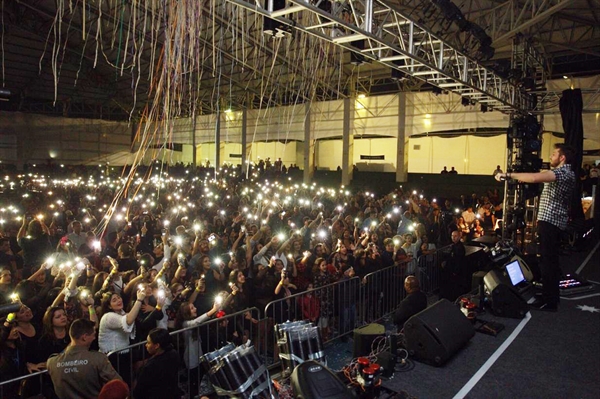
x=29 y=336
x=187 y=318
x=7 y=257
x=478 y=230
x=33 y=292
x=12 y=357
x=406 y=224
x=426 y=247
x=247 y=233
x=463 y=226
x=33 y=240
x=469 y=216
x=117 y=327
x=453 y=269
x=155 y=381
x=79 y=372
x=6 y=285
x=415 y=301
x=552 y=218
x=126 y=259
x=321 y=278
x=55 y=336
x=110 y=249
x=77 y=237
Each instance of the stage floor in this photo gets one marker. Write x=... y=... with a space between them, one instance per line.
x=544 y=355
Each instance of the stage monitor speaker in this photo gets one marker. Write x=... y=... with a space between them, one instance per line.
x=434 y=335
x=364 y=337
x=312 y=380
x=506 y=301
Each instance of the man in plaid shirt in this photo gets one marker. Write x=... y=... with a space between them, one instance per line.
x=553 y=215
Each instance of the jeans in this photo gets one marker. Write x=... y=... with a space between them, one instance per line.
x=549 y=236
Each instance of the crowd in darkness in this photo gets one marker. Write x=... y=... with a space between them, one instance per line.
x=159 y=254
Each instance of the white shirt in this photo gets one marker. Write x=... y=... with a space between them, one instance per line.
x=164 y=322
x=77 y=240
x=469 y=217
x=166 y=256
x=193 y=346
x=114 y=332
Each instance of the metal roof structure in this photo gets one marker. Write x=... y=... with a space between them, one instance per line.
x=144 y=59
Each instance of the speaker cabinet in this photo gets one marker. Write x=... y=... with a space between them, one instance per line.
x=364 y=337
x=312 y=380
x=434 y=335
x=505 y=300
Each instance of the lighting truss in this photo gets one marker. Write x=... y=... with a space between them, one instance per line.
x=391 y=38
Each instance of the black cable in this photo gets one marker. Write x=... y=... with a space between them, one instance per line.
x=404 y=366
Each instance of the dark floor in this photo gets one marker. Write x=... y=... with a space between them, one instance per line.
x=545 y=355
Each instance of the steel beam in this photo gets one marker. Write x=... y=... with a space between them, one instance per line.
x=394 y=36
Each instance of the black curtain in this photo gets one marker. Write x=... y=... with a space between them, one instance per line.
x=571 y=107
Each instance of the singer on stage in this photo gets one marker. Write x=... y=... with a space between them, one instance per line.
x=553 y=215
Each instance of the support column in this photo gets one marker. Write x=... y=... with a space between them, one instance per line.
x=194 y=151
x=348 y=141
x=402 y=148
x=245 y=161
x=309 y=148
x=218 y=141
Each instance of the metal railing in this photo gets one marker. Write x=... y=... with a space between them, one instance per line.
x=191 y=343
x=332 y=307
x=382 y=292
x=349 y=303
x=428 y=270
x=27 y=386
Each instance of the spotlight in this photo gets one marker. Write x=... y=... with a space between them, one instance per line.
x=357 y=58
x=398 y=75
x=484 y=108
x=465 y=101
x=436 y=90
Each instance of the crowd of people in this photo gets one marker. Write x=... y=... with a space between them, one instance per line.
x=169 y=250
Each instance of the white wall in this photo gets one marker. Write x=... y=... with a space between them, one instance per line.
x=375 y=129
x=468 y=154
x=259 y=150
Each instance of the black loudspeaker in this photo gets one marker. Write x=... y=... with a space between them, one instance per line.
x=364 y=337
x=387 y=362
x=312 y=380
x=506 y=301
x=434 y=335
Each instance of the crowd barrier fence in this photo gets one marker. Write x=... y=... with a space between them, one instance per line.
x=342 y=307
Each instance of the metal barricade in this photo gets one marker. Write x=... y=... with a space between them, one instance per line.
x=205 y=337
x=332 y=307
x=382 y=292
x=191 y=343
x=27 y=386
x=336 y=308
x=429 y=268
